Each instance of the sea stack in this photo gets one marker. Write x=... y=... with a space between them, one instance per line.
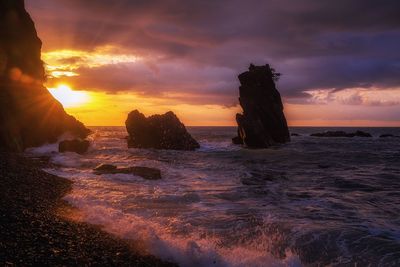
x=263 y=122
x=29 y=115
x=158 y=131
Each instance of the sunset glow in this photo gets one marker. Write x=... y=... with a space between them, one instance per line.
x=157 y=59
x=68 y=97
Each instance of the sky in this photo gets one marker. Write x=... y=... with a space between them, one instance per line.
x=340 y=60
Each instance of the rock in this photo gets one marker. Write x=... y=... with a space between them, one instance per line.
x=159 y=132
x=144 y=172
x=295 y=134
x=29 y=115
x=389 y=135
x=263 y=122
x=77 y=146
x=362 y=134
x=237 y=140
x=105 y=168
x=341 y=134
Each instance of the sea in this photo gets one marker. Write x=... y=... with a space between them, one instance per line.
x=312 y=202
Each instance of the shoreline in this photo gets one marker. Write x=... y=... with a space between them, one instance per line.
x=33 y=232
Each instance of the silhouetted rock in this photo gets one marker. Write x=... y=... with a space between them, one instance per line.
x=144 y=172
x=263 y=122
x=362 y=134
x=295 y=134
x=237 y=140
x=29 y=115
x=341 y=134
x=159 y=132
x=389 y=135
x=77 y=146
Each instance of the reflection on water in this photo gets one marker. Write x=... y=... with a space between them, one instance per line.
x=314 y=201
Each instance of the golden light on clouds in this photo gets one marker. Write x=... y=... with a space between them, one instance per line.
x=68 y=97
x=61 y=63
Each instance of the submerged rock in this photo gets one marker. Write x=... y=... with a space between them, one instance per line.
x=29 y=115
x=144 y=172
x=105 y=168
x=159 y=132
x=77 y=146
x=341 y=134
x=263 y=122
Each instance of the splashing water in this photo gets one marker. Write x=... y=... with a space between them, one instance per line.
x=314 y=201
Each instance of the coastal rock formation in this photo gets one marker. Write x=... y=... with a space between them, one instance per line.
x=29 y=115
x=77 y=146
x=144 y=172
x=158 y=131
x=263 y=122
x=342 y=134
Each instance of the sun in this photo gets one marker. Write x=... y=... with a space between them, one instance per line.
x=68 y=97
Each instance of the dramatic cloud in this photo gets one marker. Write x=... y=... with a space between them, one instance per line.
x=197 y=48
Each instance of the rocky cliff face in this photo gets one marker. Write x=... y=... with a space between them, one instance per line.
x=263 y=122
x=29 y=115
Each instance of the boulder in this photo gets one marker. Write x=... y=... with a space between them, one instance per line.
x=263 y=122
x=295 y=134
x=159 y=132
x=77 y=146
x=29 y=115
x=341 y=134
x=144 y=172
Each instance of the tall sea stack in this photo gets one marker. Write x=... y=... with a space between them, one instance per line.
x=29 y=115
x=263 y=122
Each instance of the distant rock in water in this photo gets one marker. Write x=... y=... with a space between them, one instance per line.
x=77 y=146
x=159 y=132
x=389 y=135
x=295 y=134
x=263 y=122
x=29 y=115
x=342 y=134
x=144 y=172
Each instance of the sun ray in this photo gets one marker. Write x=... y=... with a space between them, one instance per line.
x=68 y=97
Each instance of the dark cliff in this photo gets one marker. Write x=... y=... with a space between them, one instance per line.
x=29 y=115
x=263 y=122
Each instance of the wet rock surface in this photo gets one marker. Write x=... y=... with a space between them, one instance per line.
x=33 y=234
x=263 y=122
x=144 y=172
x=77 y=146
x=29 y=115
x=341 y=134
x=158 y=131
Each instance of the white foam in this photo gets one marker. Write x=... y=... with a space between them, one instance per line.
x=188 y=250
x=43 y=150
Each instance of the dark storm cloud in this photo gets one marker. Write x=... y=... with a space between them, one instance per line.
x=315 y=44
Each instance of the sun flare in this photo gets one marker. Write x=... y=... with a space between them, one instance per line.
x=68 y=97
